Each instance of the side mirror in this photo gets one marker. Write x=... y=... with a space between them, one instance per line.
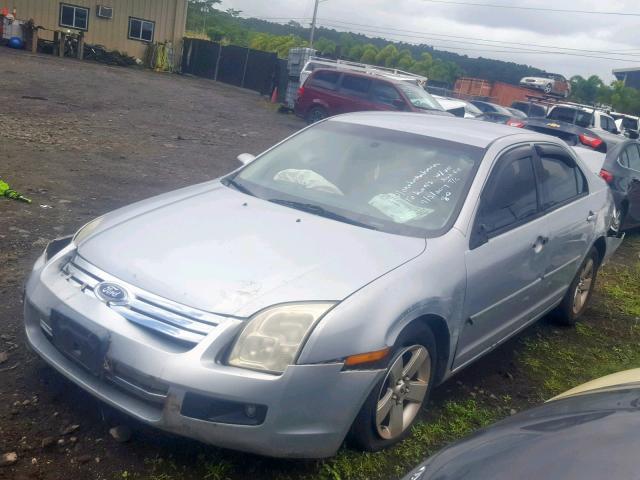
x=399 y=104
x=479 y=236
x=246 y=158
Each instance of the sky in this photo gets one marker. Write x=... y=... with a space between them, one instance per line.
x=501 y=33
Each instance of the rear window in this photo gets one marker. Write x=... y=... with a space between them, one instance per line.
x=630 y=123
x=353 y=85
x=324 y=79
x=572 y=115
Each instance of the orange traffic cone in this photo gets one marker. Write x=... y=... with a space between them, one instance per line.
x=274 y=95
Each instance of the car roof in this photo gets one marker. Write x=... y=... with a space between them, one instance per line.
x=467 y=131
x=396 y=80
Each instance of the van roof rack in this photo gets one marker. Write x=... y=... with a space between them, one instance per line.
x=368 y=69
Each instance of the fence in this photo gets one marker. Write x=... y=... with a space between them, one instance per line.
x=239 y=66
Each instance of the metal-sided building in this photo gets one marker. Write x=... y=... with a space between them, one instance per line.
x=630 y=76
x=124 y=25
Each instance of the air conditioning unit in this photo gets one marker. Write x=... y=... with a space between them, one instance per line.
x=104 y=12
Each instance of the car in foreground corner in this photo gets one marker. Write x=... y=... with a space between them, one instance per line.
x=564 y=438
x=325 y=287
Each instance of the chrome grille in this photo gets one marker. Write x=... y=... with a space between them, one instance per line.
x=145 y=309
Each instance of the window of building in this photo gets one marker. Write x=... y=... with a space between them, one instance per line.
x=75 y=17
x=140 y=29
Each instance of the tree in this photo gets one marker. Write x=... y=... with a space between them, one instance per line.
x=325 y=47
x=203 y=7
x=369 y=54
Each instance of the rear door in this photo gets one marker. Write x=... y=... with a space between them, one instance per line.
x=354 y=93
x=569 y=216
x=632 y=180
x=321 y=90
x=506 y=258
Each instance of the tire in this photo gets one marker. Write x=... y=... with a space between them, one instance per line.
x=548 y=88
x=372 y=434
x=316 y=114
x=577 y=298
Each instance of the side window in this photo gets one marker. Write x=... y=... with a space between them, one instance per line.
x=561 y=180
x=633 y=153
x=384 y=93
x=357 y=86
x=510 y=196
x=325 y=79
x=624 y=159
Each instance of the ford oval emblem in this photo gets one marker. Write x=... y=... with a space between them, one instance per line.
x=112 y=293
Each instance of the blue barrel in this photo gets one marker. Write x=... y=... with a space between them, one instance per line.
x=16 y=42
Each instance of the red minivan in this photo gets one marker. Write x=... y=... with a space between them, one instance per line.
x=331 y=92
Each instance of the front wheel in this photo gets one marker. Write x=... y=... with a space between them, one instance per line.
x=577 y=297
x=547 y=88
x=393 y=405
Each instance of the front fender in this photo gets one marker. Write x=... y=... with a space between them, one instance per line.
x=372 y=318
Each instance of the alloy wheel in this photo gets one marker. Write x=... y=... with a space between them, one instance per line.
x=583 y=288
x=403 y=391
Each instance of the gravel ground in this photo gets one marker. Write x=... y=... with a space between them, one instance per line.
x=82 y=139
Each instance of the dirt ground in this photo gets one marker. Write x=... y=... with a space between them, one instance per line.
x=81 y=139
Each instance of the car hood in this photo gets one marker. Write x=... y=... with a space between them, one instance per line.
x=219 y=250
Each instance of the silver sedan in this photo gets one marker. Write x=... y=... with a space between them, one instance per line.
x=327 y=286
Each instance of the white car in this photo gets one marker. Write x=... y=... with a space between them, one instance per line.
x=458 y=107
x=588 y=117
x=553 y=84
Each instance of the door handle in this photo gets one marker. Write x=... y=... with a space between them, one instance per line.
x=592 y=216
x=540 y=242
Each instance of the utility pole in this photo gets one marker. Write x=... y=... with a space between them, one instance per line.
x=313 y=23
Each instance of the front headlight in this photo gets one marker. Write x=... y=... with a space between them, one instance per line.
x=87 y=230
x=273 y=338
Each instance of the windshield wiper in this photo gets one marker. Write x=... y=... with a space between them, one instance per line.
x=241 y=188
x=320 y=211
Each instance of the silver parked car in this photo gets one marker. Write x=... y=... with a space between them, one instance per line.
x=325 y=287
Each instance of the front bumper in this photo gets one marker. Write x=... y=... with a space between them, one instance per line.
x=309 y=408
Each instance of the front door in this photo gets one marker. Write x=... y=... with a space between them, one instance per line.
x=506 y=258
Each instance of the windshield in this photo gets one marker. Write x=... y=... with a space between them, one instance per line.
x=630 y=123
x=471 y=109
x=572 y=115
x=372 y=177
x=418 y=97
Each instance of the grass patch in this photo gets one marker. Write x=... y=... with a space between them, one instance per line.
x=453 y=420
x=606 y=342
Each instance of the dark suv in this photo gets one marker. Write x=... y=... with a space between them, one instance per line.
x=331 y=92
